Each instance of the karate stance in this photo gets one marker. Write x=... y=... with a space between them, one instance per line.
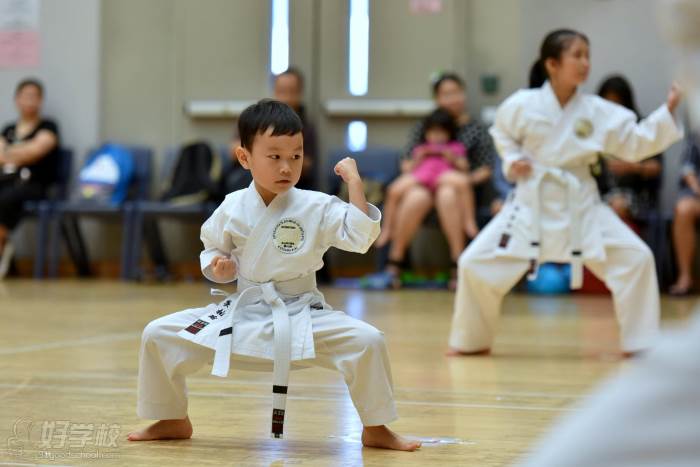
x=548 y=137
x=271 y=238
x=647 y=415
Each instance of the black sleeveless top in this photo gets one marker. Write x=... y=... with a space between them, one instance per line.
x=44 y=170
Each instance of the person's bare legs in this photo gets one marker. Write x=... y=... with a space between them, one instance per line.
x=394 y=193
x=163 y=429
x=447 y=202
x=467 y=204
x=382 y=437
x=687 y=212
x=415 y=205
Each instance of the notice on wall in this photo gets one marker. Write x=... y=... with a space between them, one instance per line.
x=20 y=40
x=425 y=7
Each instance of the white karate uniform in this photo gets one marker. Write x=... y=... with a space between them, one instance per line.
x=649 y=416
x=277 y=314
x=556 y=213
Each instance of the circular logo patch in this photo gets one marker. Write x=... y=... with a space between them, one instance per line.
x=288 y=236
x=583 y=128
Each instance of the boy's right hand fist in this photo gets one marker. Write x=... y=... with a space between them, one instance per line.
x=223 y=268
x=347 y=170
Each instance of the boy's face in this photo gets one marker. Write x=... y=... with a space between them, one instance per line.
x=274 y=161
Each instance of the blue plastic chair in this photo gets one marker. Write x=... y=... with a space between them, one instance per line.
x=66 y=214
x=379 y=163
x=42 y=209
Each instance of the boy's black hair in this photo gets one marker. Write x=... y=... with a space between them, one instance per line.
x=442 y=119
x=265 y=114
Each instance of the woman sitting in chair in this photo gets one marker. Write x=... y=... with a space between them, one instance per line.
x=28 y=157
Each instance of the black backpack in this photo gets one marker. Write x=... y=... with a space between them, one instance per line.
x=195 y=176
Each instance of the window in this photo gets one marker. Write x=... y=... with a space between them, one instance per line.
x=358 y=50
x=279 y=40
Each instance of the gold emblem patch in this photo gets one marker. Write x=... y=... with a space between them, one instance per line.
x=583 y=128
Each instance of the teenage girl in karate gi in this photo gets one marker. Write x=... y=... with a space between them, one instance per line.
x=548 y=137
x=271 y=238
x=646 y=416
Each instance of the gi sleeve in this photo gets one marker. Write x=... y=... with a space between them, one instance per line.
x=505 y=133
x=628 y=140
x=346 y=227
x=217 y=242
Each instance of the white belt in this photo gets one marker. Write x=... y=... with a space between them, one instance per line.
x=251 y=292
x=573 y=186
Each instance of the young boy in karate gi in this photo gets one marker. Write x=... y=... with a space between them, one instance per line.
x=271 y=237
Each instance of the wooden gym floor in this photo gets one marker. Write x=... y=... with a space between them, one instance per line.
x=68 y=355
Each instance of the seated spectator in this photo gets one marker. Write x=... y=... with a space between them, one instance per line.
x=686 y=216
x=449 y=94
x=28 y=157
x=631 y=189
x=438 y=153
x=288 y=88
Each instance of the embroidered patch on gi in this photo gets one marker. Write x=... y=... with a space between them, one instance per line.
x=583 y=128
x=288 y=236
x=197 y=326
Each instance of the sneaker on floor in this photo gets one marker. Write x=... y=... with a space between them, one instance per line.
x=6 y=258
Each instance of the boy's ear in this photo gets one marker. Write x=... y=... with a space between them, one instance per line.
x=243 y=156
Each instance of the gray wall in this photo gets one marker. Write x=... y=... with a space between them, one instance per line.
x=70 y=71
x=122 y=69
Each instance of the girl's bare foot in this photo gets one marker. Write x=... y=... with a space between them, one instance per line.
x=164 y=429
x=383 y=438
x=451 y=352
x=471 y=228
x=383 y=238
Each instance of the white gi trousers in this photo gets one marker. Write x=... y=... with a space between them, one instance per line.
x=342 y=343
x=628 y=271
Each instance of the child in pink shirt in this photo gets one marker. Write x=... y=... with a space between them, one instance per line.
x=439 y=153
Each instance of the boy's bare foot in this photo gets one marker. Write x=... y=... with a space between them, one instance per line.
x=383 y=238
x=471 y=228
x=164 y=429
x=383 y=438
x=451 y=352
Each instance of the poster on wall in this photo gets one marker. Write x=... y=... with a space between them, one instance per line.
x=19 y=34
x=425 y=7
